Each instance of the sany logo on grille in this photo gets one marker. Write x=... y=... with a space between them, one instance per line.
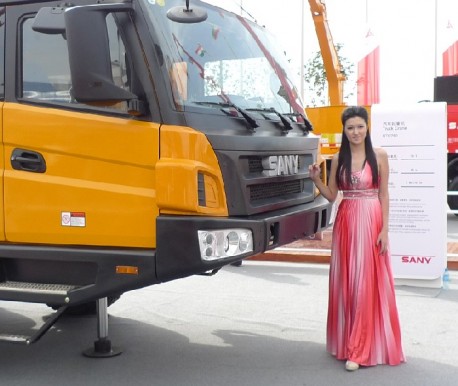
x=277 y=165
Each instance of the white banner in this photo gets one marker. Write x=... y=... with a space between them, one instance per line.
x=415 y=138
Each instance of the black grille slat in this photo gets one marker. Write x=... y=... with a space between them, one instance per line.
x=255 y=165
x=274 y=189
x=201 y=189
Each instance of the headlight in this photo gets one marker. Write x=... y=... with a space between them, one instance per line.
x=218 y=244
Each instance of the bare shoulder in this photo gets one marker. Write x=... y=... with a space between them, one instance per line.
x=380 y=153
x=334 y=161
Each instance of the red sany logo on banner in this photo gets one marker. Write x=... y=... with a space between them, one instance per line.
x=369 y=72
x=450 y=55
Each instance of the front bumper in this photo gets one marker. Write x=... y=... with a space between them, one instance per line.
x=178 y=254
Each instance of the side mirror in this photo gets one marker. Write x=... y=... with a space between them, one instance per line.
x=89 y=53
x=187 y=15
x=50 y=20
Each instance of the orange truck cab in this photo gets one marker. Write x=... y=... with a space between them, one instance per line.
x=142 y=142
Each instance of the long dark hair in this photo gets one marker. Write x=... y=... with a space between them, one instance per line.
x=344 y=165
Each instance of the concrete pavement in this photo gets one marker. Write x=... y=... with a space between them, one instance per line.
x=259 y=324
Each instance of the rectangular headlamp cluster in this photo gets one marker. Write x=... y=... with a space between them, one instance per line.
x=221 y=243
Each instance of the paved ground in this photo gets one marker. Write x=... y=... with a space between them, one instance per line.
x=259 y=324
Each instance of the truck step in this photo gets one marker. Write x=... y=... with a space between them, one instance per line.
x=13 y=338
x=33 y=334
x=36 y=288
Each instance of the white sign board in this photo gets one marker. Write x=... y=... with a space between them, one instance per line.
x=415 y=138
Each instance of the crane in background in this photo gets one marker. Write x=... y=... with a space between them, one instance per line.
x=326 y=120
x=331 y=62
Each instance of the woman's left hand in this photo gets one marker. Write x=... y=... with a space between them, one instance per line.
x=382 y=242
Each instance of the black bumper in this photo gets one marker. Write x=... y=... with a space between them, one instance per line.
x=178 y=254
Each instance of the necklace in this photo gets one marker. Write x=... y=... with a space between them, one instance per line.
x=355 y=179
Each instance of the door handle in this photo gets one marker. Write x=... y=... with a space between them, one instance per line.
x=29 y=161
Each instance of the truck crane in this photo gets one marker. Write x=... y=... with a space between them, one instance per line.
x=331 y=62
x=326 y=119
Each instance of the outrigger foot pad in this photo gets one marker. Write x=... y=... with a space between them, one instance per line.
x=102 y=349
x=102 y=346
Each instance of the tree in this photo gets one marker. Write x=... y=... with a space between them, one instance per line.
x=315 y=79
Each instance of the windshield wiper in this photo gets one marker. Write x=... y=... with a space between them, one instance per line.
x=253 y=124
x=306 y=125
x=286 y=121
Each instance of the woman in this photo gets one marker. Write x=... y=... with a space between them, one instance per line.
x=363 y=323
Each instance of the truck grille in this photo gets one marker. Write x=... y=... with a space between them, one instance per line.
x=263 y=189
x=256 y=187
x=255 y=165
x=260 y=192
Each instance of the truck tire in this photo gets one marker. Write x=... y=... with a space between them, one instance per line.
x=89 y=308
x=453 y=200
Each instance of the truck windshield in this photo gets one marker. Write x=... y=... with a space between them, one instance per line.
x=223 y=59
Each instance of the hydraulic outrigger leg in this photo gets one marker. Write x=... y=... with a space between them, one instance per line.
x=102 y=346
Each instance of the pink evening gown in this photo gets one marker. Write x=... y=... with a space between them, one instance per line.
x=363 y=323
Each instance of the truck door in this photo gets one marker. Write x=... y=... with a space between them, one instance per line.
x=2 y=98
x=74 y=174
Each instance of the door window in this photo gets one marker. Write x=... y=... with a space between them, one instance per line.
x=46 y=69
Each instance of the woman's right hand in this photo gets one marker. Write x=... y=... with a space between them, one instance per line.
x=315 y=172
